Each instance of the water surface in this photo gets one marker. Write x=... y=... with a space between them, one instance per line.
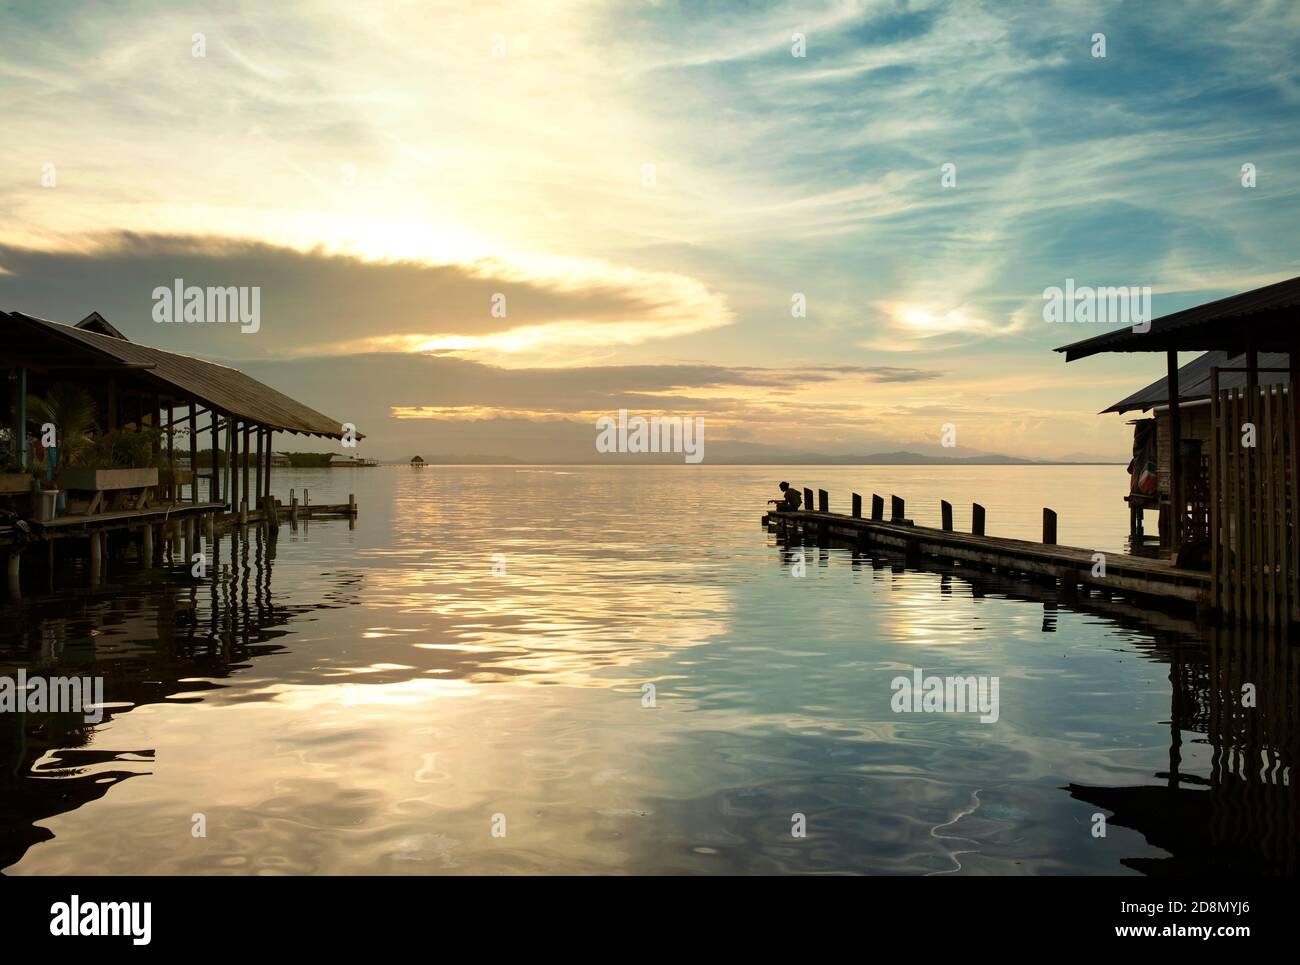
x=474 y=655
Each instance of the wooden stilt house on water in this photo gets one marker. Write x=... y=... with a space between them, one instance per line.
x=1151 y=467
x=129 y=392
x=1228 y=484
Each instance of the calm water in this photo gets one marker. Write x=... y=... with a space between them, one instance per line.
x=377 y=700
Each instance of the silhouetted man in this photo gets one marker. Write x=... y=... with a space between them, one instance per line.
x=791 y=500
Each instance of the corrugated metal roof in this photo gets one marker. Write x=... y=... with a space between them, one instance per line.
x=1194 y=380
x=217 y=386
x=1267 y=314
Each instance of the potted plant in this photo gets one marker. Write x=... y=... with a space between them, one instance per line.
x=121 y=459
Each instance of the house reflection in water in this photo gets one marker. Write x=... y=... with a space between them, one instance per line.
x=1243 y=816
x=148 y=642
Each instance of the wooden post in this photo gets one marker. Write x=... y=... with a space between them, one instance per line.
x=13 y=569
x=306 y=502
x=157 y=424
x=214 y=487
x=1175 y=460
x=1293 y=518
x=257 y=494
x=189 y=540
x=897 y=509
x=857 y=506
x=170 y=442
x=877 y=507
x=823 y=501
x=977 y=519
x=293 y=507
x=270 y=514
x=244 y=490
x=807 y=499
x=194 y=452
x=270 y=438
x=146 y=547
x=352 y=504
x=1049 y=527
x=233 y=458
x=945 y=513
x=20 y=407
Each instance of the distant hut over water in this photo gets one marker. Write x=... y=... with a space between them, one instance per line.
x=417 y=462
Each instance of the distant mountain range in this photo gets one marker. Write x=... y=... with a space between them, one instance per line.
x=770 y=456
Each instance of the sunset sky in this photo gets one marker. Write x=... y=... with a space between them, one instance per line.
x=649 y=184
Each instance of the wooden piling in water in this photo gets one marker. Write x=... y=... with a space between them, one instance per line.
x=897 y=509
x=823 y=501
x=857 y=506
x=1049 y=527
x=146 y=547
x=293 y=507
x=877 y=507
x=807 y=499
x=945 y=515
x=13 y=571
x=976 y=519
x=271 y=513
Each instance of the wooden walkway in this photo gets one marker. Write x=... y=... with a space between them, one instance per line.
x=1071 y=567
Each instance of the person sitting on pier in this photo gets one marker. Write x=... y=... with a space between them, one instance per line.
x=791 y=501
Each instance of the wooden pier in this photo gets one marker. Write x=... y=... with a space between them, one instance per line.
x=1072 y=568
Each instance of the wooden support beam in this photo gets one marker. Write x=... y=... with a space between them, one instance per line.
x=1049 y=527
x=194 y=453
x=214 y=485
x=945 y=513
x=823 y=501
x=1176 y=506
x=976 y=519
x=897 y=509
x=857 y=506
x=877 y=507
x=13 y=571
x=232 y=476
x=244 y=491
x=270 y=450
x=20 y=407
x=807 y=499
x=260 y=479
x=270 y=514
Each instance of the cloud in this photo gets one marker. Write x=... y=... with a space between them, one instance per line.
x=315 y=303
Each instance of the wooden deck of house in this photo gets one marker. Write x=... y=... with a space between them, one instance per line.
x=1071 y=567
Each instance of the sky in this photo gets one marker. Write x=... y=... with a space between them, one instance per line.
x=477 y=228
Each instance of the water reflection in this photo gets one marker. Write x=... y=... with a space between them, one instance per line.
x=364 y=701
x=1233 y=692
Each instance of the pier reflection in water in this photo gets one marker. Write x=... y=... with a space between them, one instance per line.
x=364 y=701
